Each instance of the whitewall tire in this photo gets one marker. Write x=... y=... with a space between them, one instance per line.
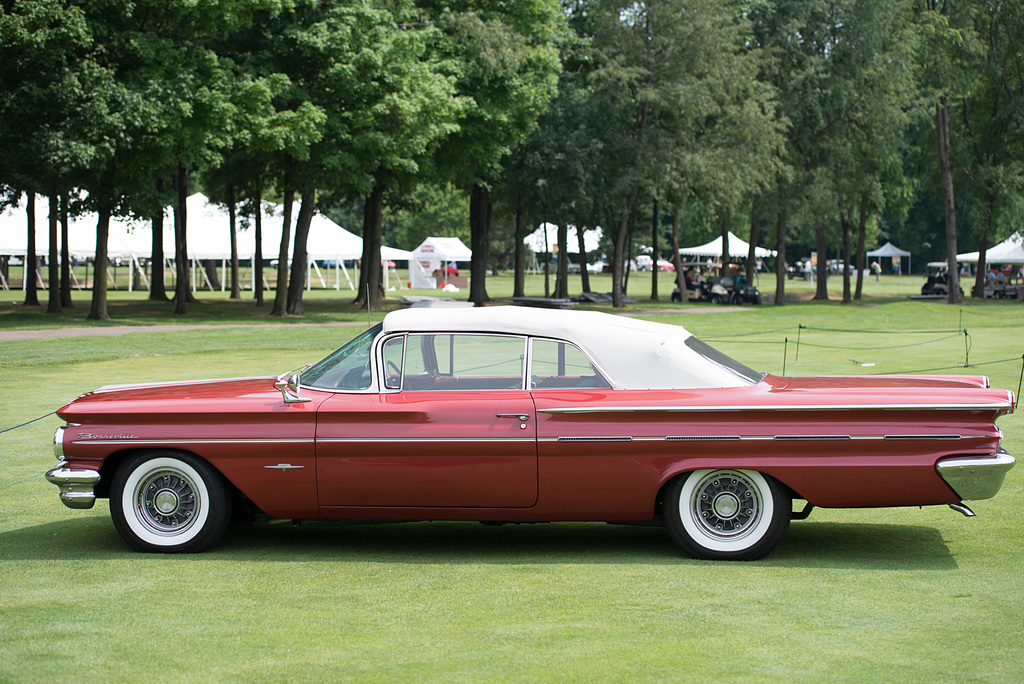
x=727 y=514
x=169 y=502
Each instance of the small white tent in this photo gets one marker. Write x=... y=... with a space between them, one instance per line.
x=430 y=255
x=738 y=249
x=890 y=250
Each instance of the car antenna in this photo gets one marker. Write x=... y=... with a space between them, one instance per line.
x=369 y=323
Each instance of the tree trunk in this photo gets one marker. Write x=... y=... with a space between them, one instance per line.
x=53 y=304
x=257 y=267
x=300 y=260
x=182 y=268
x=724 y=231
x=65 y=255
x=982 y=266
x=780 y=259
x=210 y=268
x=619 y=250
x=281 y=289
x=584 y=273
x=862 y=223
x=157 y=284
x=844 y=223
x=480 y=229
x=942 y=123
x=373 y=227
x=755 y=233
x=684 y=294
x=562 y=276
x=236 y=289
x=654 y=252
x=519 y=279
x=31 y=260
x=98 y=311
x=821 y=293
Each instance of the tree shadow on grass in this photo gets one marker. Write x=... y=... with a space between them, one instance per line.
x=807 y=545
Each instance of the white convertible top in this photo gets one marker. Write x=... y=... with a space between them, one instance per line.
x=633 y=354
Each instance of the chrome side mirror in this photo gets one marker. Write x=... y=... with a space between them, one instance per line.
x=289 y=386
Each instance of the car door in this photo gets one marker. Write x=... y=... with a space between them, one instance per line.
x=453 y=426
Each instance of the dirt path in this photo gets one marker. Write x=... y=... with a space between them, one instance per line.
x=113 y=330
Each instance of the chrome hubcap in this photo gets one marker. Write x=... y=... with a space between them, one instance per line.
x=726 y=504
x=166 y=501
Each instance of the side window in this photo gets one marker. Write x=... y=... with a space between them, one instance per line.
x=463 y=362
x=394 y=350
x=559 y=365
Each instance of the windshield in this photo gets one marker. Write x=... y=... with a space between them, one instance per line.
x=347 y=368
x=727 y=362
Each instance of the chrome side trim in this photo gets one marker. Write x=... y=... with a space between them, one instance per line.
x=422 y=440
x=284 y=466
x=751 y=438
x=161 y=442
x=76 y=486
x=595 y=439
x=976 y=477
x=718 y=408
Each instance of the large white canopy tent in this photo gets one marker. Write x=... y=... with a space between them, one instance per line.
x=738 y=249
x=429 y=256
x=1009 y=251
x=208 y=236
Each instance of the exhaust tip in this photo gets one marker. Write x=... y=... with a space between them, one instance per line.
x=963 y=508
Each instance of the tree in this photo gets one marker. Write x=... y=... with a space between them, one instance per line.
x=681 y=108
x=507 y=69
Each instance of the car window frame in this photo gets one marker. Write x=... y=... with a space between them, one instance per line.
x=381 y=374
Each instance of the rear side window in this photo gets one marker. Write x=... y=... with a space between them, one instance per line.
x=558 y=365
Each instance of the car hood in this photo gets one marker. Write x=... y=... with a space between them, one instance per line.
x=198 y=395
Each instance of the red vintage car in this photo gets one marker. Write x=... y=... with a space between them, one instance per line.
x=512 y=414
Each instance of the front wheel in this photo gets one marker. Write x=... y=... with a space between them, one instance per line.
x=727 y=514
x=169 y=502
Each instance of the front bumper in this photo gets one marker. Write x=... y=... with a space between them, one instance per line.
x=76 y=486
x=976 y=477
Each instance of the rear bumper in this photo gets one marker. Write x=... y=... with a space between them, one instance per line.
x=76 y=486
x=976 y=477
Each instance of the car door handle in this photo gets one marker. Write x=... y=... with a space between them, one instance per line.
x=517 y=416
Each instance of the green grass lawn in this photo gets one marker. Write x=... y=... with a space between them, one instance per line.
x=915 y=595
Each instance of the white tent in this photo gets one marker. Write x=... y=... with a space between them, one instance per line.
x=549 y=231
x=737 y=249
x=1009 y=251
x=429 y=256
x=890 y=250
x=208 y=235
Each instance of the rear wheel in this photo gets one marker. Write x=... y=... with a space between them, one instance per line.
x=727 y=514
x=169 y=502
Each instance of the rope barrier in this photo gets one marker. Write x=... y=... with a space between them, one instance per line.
x=34 y=420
